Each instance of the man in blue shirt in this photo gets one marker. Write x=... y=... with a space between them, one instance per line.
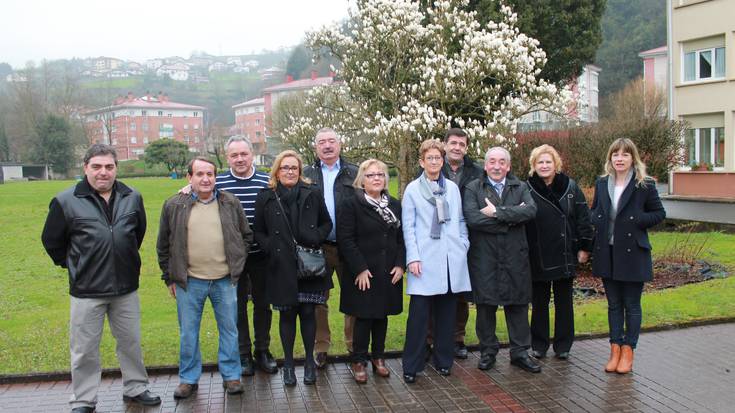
x=334 y=177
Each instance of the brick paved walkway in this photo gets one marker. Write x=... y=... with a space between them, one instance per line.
x=688 y=370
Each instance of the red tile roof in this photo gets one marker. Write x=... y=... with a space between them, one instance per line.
x=299 y=84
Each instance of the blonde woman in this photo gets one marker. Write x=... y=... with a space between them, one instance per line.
x=561 y=210
x=371 y=243
x=302 y=215
x=626 y=204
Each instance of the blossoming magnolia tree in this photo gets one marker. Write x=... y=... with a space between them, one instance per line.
x=408 y=73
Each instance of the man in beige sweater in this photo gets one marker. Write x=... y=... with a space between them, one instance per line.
x=203 y=242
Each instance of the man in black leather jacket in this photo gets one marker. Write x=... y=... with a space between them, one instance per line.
x=94 y=230
x=334 y=177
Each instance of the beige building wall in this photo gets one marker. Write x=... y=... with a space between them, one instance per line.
x=696 y=25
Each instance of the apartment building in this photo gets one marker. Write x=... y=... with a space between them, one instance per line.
x=701 y=58
x=131 y=122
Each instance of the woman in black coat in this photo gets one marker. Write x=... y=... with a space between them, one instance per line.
x=558 y=238
x=302 y=215
x=626 y=204
x=371 y=245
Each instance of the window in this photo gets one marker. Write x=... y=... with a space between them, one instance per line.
x=133 y=140
x=160 y=113
x=145 y=126
x=186 y=138
x=145 y=140
x=170 y=115
x=165 y=130
x=196 y=114
x=186 y=126
x=114 y=141
x=704 y=64
x=131 y=112
x=257 y=121
x=133 y=126
x=196 y=126
x=196 y=139
x=705 y=145
x=144 y=113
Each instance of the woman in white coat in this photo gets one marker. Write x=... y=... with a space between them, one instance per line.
x=436 y=253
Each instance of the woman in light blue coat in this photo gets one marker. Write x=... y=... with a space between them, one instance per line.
x=436 y=253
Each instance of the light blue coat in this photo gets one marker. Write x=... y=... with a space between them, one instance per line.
x=436 y=255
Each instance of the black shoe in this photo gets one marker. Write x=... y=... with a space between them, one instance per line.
x=443 y=371
x=146 y=399
x=83 y=409
x=526 y=363
x=264 y=360
x=289 y=376
x=248 y=367
x=460 y=350
x=309 y=374
x=538 y=354
x=409 y=378
x=486 y=362
x=563 y=355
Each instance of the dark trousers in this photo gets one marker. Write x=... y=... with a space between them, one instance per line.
x=519 y=332
x=624 y=313
x=563 y=315
x=323 y=333
x=364 y=328
x=255 y=270
x=444 y=307
x=460 y=323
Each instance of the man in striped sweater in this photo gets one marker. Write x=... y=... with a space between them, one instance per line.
x=245 y=182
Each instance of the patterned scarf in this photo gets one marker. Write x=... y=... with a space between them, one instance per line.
x=381 y=207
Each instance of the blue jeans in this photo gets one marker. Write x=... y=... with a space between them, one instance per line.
x=190 y=304
x=624 y=310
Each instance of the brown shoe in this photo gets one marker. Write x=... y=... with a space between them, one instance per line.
x=321 y=360
x=184 y=390
x=233 y=387
x=358 y=370
x=625 y=365
x=380 y=369
x=612 y=363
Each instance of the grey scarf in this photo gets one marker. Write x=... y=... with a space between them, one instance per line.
x=434 y=193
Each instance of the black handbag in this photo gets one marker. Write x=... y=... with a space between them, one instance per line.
x=310 y=262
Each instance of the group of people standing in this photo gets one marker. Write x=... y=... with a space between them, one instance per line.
x=461 y=234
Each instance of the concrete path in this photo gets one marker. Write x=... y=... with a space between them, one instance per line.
x=687 y=370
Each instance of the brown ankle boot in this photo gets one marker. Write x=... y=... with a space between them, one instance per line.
x=380 y=369
x=625 y=365
x=358 y=369
x=612 y=363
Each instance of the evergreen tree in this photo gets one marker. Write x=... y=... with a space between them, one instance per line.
x=53 y=144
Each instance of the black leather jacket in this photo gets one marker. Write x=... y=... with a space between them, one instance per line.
x=100 y=254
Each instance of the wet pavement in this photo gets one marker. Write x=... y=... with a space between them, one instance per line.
x=685 y=370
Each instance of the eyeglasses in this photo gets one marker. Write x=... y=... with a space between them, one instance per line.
x=288 y=168
x=373 y=176
x=432 y=158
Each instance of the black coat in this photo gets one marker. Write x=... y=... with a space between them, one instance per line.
x=498 y=257
x=100 y=253
x=561 y=228
x=367 y=242
x=272 y=234
x=639 y=208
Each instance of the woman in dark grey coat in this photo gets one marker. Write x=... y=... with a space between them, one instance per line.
x=302 y=215
x=371 y=244
x=558 y=238
x=626 y=204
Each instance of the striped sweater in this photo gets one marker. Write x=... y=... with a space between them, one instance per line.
x=246 y=190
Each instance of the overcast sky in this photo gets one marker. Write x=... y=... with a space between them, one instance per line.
x=143 y=29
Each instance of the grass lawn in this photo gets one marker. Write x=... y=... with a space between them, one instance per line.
x=34 y=300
